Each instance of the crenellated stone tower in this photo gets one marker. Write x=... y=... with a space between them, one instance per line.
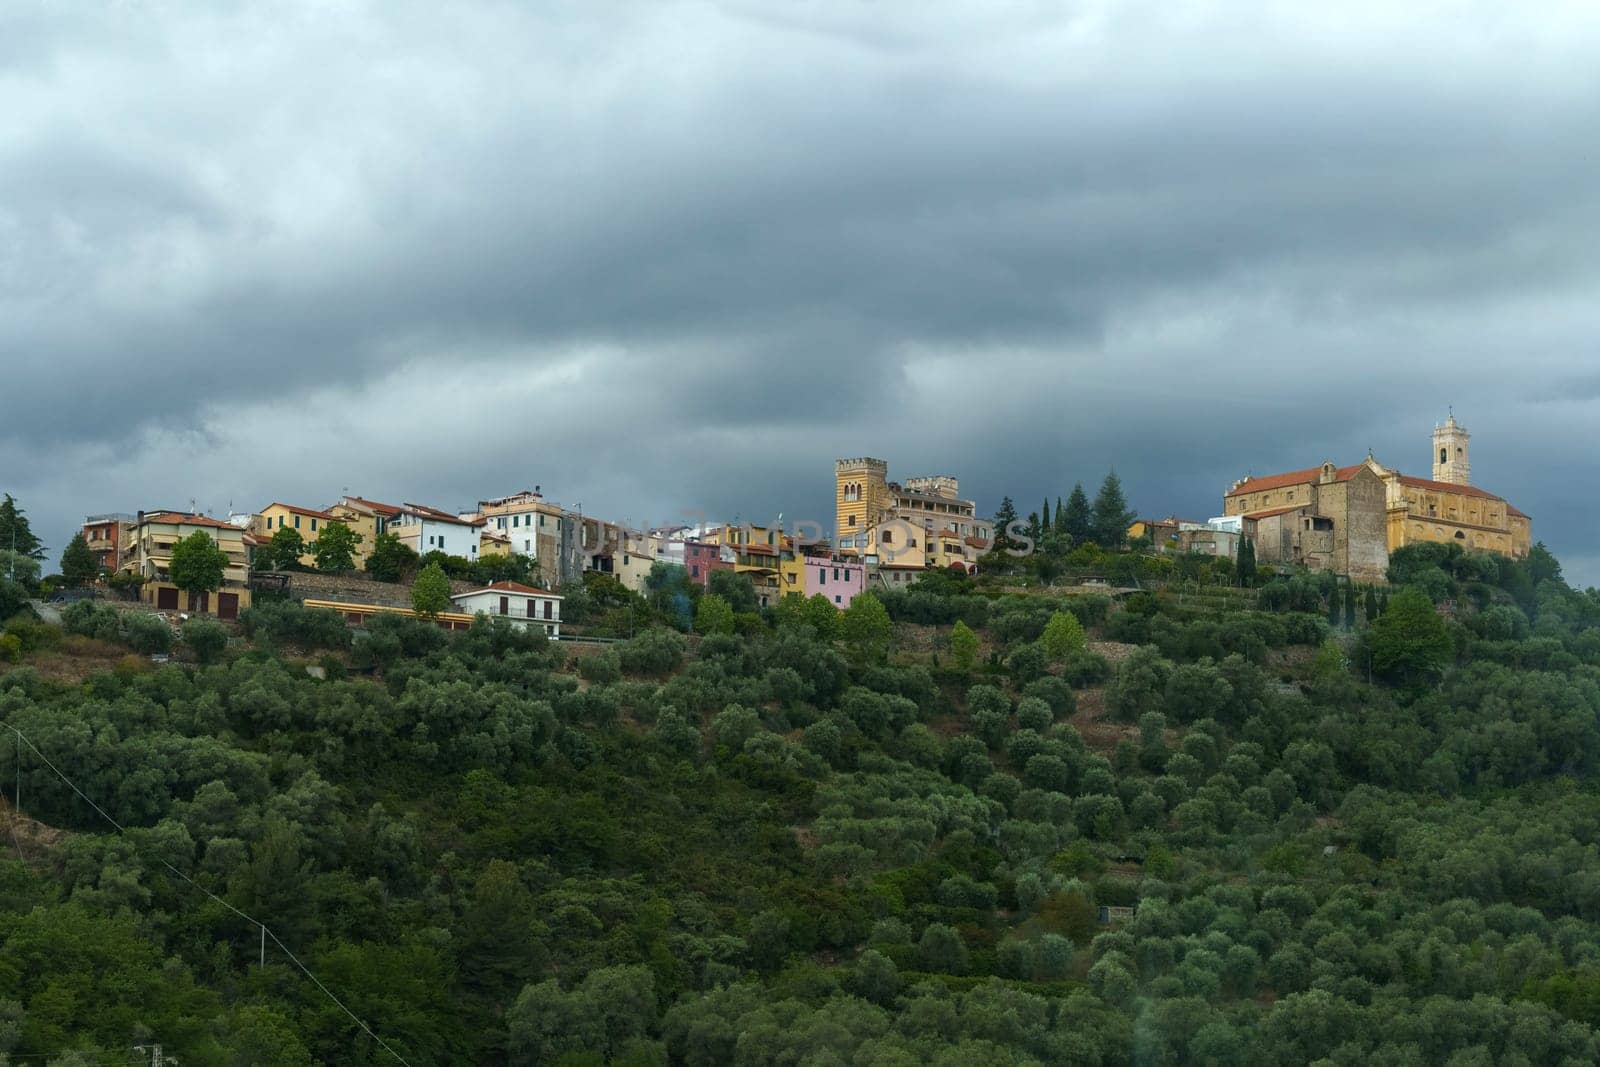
x=861 y=494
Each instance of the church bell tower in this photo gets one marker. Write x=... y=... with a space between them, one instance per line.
x=1450 y=453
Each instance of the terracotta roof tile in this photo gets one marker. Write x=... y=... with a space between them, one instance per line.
x=1270 y=512
x=372 y=505
x=313 y=512
x=178 y=518
x=1283 y=481
x=509 y=587
x=1449 y=487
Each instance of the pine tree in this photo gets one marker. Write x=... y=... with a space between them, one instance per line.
x=78 y=565
x=1246 y=567
x=1372 y=604
x=15 y=533
x=1349 y=604
x=1079 y=521
x=1111 y=513
x=1003 y=519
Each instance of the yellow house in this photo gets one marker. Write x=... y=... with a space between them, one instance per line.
x=768 y=556
x=492 y=542
x=367 y=519
x=149 y=555
x=306 y=521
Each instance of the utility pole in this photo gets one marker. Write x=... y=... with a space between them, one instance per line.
x=263 y=946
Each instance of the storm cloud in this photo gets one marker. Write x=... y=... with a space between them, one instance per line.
x=659 y=256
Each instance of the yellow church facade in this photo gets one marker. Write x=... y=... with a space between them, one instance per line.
x=1448 y=508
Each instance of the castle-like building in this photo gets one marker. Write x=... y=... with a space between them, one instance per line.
x=901 y=529
x=1348 y=519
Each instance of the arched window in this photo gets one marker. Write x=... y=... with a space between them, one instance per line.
x=1460 y=536
x=1444 y=455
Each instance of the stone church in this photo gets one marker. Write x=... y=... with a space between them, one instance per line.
x=1348 y=519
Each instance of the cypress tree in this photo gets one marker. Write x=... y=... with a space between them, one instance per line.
x=1333 y=607
x=1349 y=604
x=1045 y=526
x=1371 y=604
x=1061 y=519
x=1246 y=566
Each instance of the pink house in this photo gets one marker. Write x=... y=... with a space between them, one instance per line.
x=838 y=580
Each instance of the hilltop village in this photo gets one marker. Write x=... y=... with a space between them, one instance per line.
x=517 y=555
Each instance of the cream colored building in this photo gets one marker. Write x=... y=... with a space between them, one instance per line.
x=367 y=518
x=148 y=554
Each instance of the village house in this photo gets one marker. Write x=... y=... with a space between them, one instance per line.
x=520 y=604
x=307 y=522
x=367 y=519
x=106 y=534
x=839 y=580
x=148 y=554
x=424 y=529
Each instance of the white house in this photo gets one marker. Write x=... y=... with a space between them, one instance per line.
x=426 y=530
x=521 y=604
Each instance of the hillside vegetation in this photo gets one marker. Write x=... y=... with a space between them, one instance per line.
x=954 y=826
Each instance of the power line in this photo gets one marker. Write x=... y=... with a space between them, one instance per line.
x=23 y=739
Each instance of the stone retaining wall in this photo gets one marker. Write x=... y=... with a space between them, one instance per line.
x=356 y=589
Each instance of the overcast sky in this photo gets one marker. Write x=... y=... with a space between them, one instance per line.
x=661 y=256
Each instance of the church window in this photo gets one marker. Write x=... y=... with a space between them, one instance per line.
x=1443 y=455
x=1460 y=536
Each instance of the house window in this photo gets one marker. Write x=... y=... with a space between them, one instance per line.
x=313 y=524
x=887 y=537
x=297 y=522
x=547 y=604
x=838 y=600
x=852 y=521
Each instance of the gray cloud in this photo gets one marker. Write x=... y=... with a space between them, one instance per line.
x=666 y=255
